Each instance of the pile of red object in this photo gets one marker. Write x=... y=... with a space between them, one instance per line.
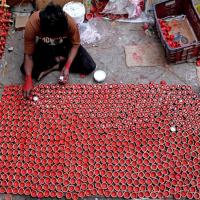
x=198 y=62
x=125 y=141
x=4 y=27
x=166 y=33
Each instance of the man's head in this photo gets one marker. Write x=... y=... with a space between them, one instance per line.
x=53 y=21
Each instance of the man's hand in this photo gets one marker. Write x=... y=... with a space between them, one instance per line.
x=64 y=76
x=28 y=86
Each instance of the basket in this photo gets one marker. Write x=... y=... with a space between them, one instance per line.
x=173 y=8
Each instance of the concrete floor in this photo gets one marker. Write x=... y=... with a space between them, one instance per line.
x=110 y=57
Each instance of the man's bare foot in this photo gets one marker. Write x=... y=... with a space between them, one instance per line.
x=43 y=74
x=59 y=59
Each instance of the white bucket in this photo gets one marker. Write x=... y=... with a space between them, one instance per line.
x=76 y=10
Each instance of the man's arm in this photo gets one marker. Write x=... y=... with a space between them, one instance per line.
x=72 y=54
x=31 y=31
x=28 y=83
x=28 y=64
x=74 y=37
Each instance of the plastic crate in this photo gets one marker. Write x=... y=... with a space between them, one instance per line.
x=179 y=7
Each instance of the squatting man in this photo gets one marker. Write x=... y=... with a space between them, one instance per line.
x=52 y=42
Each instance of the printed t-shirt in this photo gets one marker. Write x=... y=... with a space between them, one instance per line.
x=32 y=31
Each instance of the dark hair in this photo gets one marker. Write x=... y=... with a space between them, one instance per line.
x=53 y=21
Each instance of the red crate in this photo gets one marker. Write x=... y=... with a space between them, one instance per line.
x=179 y=7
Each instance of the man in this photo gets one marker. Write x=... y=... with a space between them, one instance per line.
x=57 y=47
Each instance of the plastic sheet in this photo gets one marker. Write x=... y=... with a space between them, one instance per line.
x=89 y=34
x=94 y=31
x=130 y=7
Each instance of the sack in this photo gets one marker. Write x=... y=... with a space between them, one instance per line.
x=121 y=7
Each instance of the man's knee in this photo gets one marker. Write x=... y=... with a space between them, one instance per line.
x=90 y=68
